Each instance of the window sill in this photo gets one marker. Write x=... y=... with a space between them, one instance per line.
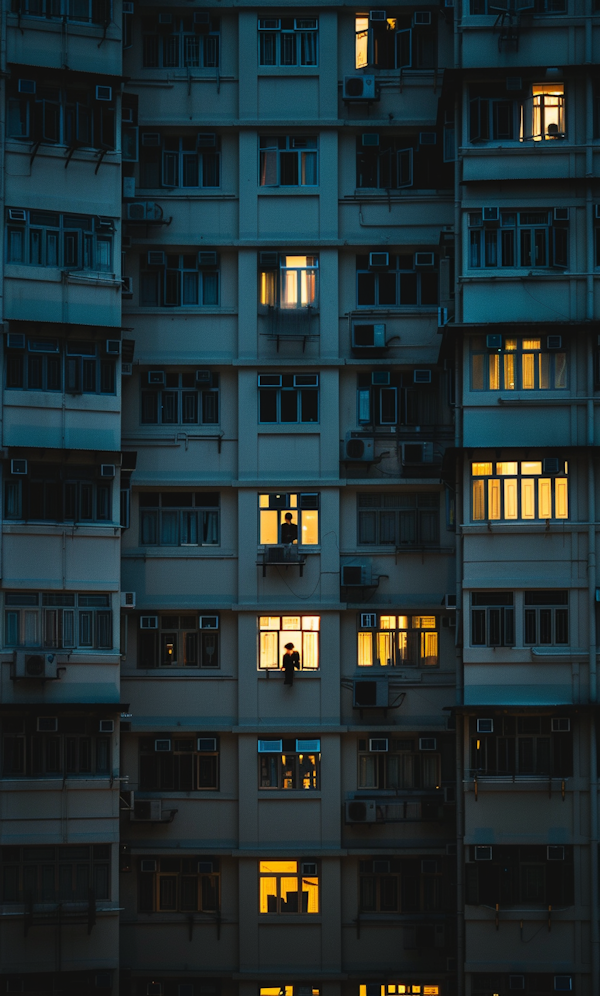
x=291 y=918
x=298 y=675
x=280 y=427
x=282 y=794
x=305 y=71
x=285 y=191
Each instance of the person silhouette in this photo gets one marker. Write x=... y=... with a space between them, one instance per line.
x=290 y=663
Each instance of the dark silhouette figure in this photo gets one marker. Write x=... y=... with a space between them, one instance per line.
x=290 y=663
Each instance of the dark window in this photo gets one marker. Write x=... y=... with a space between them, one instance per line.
x=179 y=161
x=398 y=519
x=183 y=640
x=399 y=284
x=288 y=41
x=401 y=766
x=288 y=397
x=176 y=45
x=546 y=618
x=183 y=768
x=181 y=401
x=67 y=241
x=518 y=239
x=522 y=745
x=179 y=283
x=44 y=494
x=75 y=749
x=288 y=161
x=492 y=619
x=521 y=875
x=294 y=764
x=57 y=620
x=179 y=885
x=179 y=518
x=43 y=874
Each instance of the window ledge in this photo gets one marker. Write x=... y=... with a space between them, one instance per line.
x=284 y=191
x=265 y=673
x=291 y=918
x=304 y=71
x=292 y=794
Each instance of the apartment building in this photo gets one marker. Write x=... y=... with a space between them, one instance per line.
x=300 y=363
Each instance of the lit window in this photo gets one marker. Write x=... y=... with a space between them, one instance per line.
x=289 y=764
x=291 y=282
x=288 y=41
x=510 y=363
x=288 y=887
x=289 y=519
x=391 y=42
x=544 y=113
x=398 y=641
x=277 y=631
x=525 y=490
x=289 y=991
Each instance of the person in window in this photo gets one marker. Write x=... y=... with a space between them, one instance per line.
x=289 y=535
x=290 y=663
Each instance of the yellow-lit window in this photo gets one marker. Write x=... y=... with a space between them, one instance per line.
x=544 y=498
x=561 y=498
x=268 y=287
x=275 y=632
x=510 y=498
x=361 y=27
x=508 y=468
x=526 y=364
x=531 y=467
x=481 y=469
x=283 y=891
x=399 y=641
x=518 y=491
x=478 y=501
x=387 y=622
x=527 y=498
x=304 y=516
x=494 y=372
x=384 y=649
x=429 y=648
x=365 y=649
x=509 y=372
x=493 y=499
x=547 y=112
x=423 y=622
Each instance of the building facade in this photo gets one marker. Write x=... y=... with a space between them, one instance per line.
x=299 y=400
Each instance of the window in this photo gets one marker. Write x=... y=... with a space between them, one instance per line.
x=274 y=632
x=289 y=764
x=522 y=745
x=390 y=989
x=288 y=887
x=178 y=640
x=289 y=991
x=387 y=398
x=189 y=764
x=274 y=526
x=399 y=766
x=173 y=885
x=55 y=874
x=546 y=618
x=520 y=875
x=176 y=45
x=59 y=115
x=540 y=984
x=494 y=115
x=531 y=6
x=179 y=161
x=393 y=163
x=398 y=519
x=75 y=749
x=70 y=241
x=85 y=11
x=516 y=363
x=395 y=885
x=379 y=886
x=181 y=401
x=57 y=620
x=288 y=397
x=394 y=43
x=397 y=285
x=519 y=239
x=180 y=282
x=525 y=490
x=398 y=641
x=288 y=161
x=288 y=41
x=291 y=282
x=179 y=518
x=52 y=494
x=492 y=619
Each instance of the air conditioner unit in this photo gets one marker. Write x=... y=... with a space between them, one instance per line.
x=516 y=982
x=203 y=378
x=380 y=378
x=427 y=138
x=493 y=341
x=421 y=18
x=560 y=724
x=555 y=852
x=424 y=259
x=355 y=575
x=35 y=667
x=378 y=745
x=360 y=88
x=551 y=465
x=17 y=214
x=370 y=139
x=18 y=467
x=47 y=724
x=206 y=140
x=156 y=378
x=128 y=194
x=148 y=865
x=561 y=214
x=270 y=746
x=358 y=448
x=491 y=214
x=269 y=380
x=422 y=376
x=204 y=744
x=414 y=454
x=207 y=258
x=148 y=622
x=112 y=347
x=107 y=470
x=209 y=622
x=368 y=336
x=156 y=258
x=144 y=211
x=427 y=743
x=485 y=725
x=370 y=693
x=482 y=852
x=306 y=380
x=106 y=726
x=201 y=21
x=126 y=291
x=554 y=341
x=15 y=340
x=270 y=260
x=563 y=983
x=128 y=599
x=26 y=86
x=206 y=867
x=308 y=868
x=103 y=93
x=162 y=745
x=379 y=260
x=361 y=811
x=378 y=15
x=368 y=620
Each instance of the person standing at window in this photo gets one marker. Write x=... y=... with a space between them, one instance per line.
x=289 y=535
x=291 y=662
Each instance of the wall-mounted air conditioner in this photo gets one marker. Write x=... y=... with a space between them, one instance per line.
x=35 y=667
x=368 y=620
x=355 y=575
x=108 y=470
x=26 y=86
x=143 y=211
x=493 y=341
x=201 y=22
x=421 y=376
x=128 y=599
x=204 y=744
x=561 y=214
x=490 y=214
x=207 y=258
x=157 y=258
x=15 y=340
x=112 y=347
x=414 y=454
x=163 y=745
x=203 y=379
x=360 y=88
x=18 y=467
x=156 y=378
x=551 y=465
x=485 y=725
x=482 y=852
x=555 y=852
x=209 y=622
x=103 y=92
x=370 y=693
x=357 y=448
x=361 y=811
x=379 y=260
x=424 y=259
x=378 y=745
x=367 y=336
x=421 y=18
x=378 y=15
x=17 y=214
x=106 y=726
x=147 y=811
x=554 y=341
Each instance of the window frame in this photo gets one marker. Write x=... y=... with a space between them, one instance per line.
x=395 y=510
x=418 y=283
x=510 y=244
x=180 y=775
x=278 y=878
x=506 y=376
x=90 y=500
x=273 y=284
x=79 y=752
x=71 y=243
x=407 y=50
x=281 y=763
x=58 y=621
x=162 y=518
x=374 y=772
x=269 y=657
x=56 y=858
x=178 y=160
x=156 y=55
x=499 y=754
x=305 y=506
x=287 y=40
x=61 y=116
x=204 y=399
x=150 y=886
x=278 y=400
x=406 y=643
x=518 y=500
x=166 y=286
x=195 y=641
x=273 y=157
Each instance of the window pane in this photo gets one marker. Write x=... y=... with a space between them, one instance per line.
x=365 y=650
x=527 y=498
x=479 y=500
x=510 y=499
x=561 y=498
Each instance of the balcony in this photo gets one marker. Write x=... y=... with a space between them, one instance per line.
x=289 y=324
